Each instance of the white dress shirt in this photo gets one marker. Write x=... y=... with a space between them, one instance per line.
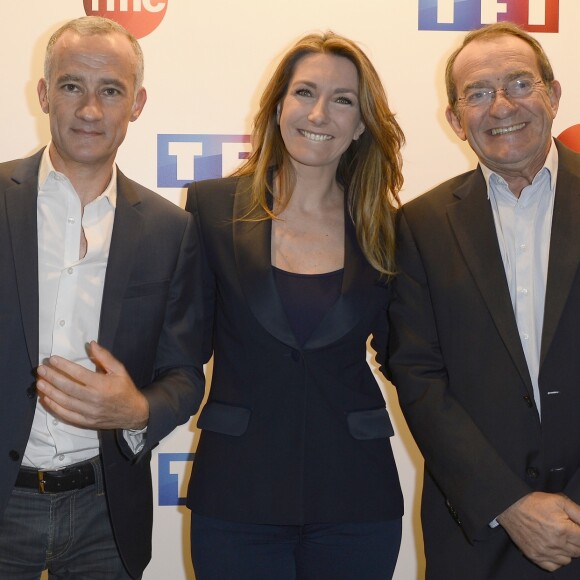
x=70 y=295
x=523 y=226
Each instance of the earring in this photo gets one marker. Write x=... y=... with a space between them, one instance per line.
x=278 y=113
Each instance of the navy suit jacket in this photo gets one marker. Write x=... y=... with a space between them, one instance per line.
x=462 y=378
x=148 y=321
x=292 y=433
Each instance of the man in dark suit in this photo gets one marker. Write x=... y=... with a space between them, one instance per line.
x=97 y=287
x=486 y=325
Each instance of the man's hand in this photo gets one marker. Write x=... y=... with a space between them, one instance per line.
x=545 y=527
x=104 y=399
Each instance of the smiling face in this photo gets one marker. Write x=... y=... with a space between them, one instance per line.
x=320 y=115
x=90 y=99
x=510 y=136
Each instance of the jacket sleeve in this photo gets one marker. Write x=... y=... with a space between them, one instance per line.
x=380 y=338
x=177 y=388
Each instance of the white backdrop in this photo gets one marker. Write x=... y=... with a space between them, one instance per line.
x=205 y=66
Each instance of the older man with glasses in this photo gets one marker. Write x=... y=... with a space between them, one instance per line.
x=486 y=325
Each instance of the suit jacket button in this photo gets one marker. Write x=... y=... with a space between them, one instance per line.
x=295 y=355
x=31 y=392
x=453 y=512
x=532 y=473
x=14 y=455
x=529 y=401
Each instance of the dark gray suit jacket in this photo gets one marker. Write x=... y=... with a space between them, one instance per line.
x=292 y=433
x=148 y=321
x=462 y=378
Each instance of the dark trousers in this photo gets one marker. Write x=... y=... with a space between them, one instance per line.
x=67 y=533
x=224 y=550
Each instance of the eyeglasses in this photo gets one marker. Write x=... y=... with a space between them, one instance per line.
x=514 y=90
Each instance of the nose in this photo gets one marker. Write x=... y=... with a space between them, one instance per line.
x=501 y=103
x=319 y=112
x=90 y=108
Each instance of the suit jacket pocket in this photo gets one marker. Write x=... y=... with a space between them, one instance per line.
x=147 y=289
x=370 y=424
x=225 y=419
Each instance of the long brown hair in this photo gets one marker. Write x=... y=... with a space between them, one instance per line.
x=370 y=170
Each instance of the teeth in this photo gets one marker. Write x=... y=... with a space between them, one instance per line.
x=315 y=136
x=503 y=130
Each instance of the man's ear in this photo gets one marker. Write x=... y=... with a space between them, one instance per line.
x=554 y=93
x=140 y=100
x=455 y=122
x=42 y=90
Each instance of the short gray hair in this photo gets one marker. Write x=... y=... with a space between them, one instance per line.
x=88 y=26
x=491 y=32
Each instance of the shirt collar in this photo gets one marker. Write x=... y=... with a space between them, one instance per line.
x=551 y=165
x=47 y=172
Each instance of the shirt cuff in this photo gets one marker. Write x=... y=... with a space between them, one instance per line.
x=135 y=439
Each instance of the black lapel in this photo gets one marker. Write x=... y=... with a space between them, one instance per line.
x=22 y=223
x=127 y=229
x=358 y=283
x=253 y=253
x=564 y=244
x=471 y=219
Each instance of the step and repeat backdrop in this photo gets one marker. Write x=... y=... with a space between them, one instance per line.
x=206 y=63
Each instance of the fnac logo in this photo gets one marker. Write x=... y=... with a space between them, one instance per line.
x=139 y=17
x=532 y=15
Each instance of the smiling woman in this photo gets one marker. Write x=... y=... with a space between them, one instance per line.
x=320 y=115
x=294 y=475
x=319 y=118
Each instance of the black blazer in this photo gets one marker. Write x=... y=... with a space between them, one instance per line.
x=462 y=378
x=148 y=321
x=291 y=434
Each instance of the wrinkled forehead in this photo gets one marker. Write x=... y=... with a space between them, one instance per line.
x=111 y=51
x=494 y=59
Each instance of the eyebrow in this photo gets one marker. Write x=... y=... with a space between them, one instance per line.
x=516 y=74
x=68 y=77
x=79 y=79
x=314 y=86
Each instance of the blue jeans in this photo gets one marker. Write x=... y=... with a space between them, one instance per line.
x=222 y=550
x=69 y=533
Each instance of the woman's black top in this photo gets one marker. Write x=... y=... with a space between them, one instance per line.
x=307 y=298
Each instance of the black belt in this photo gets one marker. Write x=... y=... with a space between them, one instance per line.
x=74 y=477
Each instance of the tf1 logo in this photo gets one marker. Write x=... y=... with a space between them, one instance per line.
x=174 y=470
x=139 y=17
x=532 y=15
x=185 y=158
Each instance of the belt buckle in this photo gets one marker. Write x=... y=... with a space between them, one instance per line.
x=41 y=481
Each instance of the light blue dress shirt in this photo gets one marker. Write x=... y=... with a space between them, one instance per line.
x=523 y=226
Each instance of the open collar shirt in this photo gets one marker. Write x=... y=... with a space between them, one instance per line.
x=70 y=295
x=523 y=226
